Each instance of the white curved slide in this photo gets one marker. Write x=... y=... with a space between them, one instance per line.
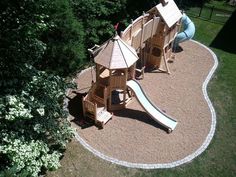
x=151 y=109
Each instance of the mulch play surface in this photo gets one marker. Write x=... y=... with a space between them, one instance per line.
x=132 y=135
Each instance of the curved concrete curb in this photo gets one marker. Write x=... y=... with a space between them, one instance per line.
x=175 y=163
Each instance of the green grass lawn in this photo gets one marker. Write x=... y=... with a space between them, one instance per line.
x=220 y=4
x=219 y=160
x=217 y=11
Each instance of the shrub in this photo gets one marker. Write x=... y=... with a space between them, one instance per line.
x=34 y=125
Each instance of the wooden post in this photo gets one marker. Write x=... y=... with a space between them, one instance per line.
x=150 y=44
x=131 y=31
x=124 y=87
x=171 y=46
x=153 y=25
x=121 y=34
x=105 y=97
x=95 y=114
x=110 y=89
x=141 y=42
x=83 y=99
x=132 y=71
x=165 y=61
x=97 y=72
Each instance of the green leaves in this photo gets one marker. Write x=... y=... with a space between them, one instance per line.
x=17 y=109
x=22 y=23
x=34 y=125
x=98 y=18
x=65 y=51
x=28 y=156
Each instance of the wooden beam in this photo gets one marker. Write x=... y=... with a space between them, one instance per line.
x=165 y=61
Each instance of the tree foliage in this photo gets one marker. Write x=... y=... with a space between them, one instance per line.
x=98 y=18
x=65 y=40
x=33 y=125
x=22 y=23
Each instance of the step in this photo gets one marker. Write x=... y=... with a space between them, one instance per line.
x=104 y=116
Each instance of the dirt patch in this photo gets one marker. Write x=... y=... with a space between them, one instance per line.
x=133 y=136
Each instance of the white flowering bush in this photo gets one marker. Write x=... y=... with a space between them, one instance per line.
x=17 y=109
x=33 y=126
x=28 y=157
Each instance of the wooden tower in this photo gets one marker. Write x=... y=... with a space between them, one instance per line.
x=159 y=48
x=115 y=64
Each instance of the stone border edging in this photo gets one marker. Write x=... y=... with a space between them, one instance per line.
x=178 y=162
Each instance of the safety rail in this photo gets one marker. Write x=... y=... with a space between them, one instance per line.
x=89 y=108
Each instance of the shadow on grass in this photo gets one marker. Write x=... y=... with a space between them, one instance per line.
x=226 y=38
x=138 y=115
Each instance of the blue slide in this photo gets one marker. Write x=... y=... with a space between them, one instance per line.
x=188 y=33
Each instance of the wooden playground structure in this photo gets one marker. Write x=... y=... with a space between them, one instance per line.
x=152 y=35
x=146 y=43
x=115 y=64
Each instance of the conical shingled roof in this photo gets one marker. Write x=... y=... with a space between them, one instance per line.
x=116 y=54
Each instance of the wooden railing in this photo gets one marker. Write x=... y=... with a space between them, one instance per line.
x=89 y=108
x=140 y=30
x=134 y=27
x=100 y=97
